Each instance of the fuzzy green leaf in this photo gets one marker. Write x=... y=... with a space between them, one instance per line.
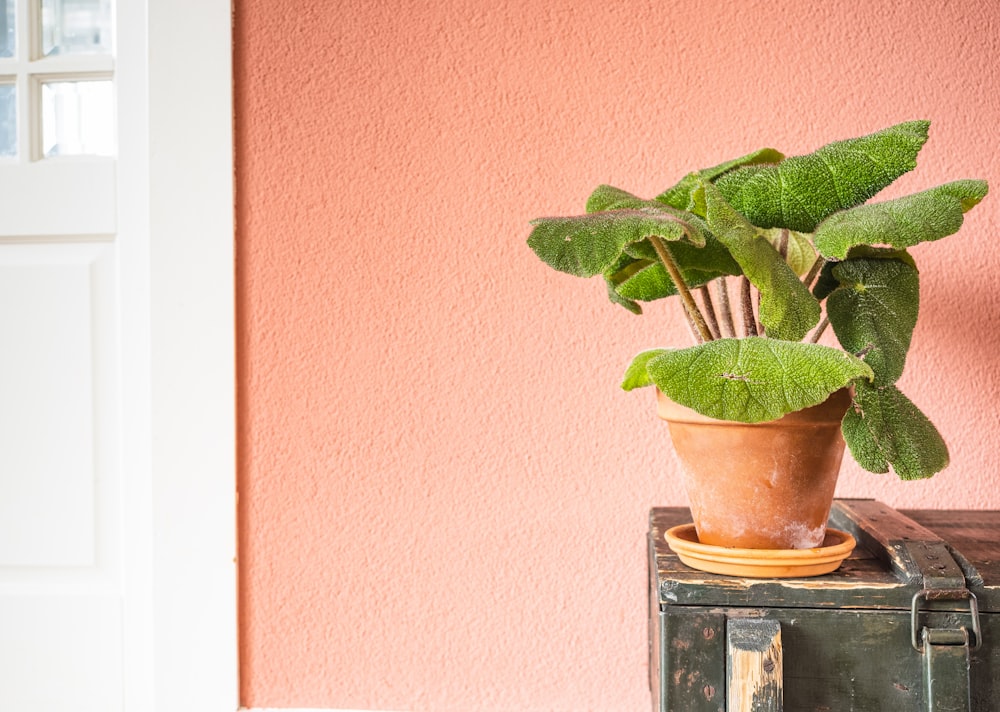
x=650 y=281
x=587 y=245
x=647 y=279
x=903 y=222
x=788 y=309
x=607 y=197
x=637 y=375
x=623 y=264
x=827 y=282
x=681 y=196
x=801 y=191
x=885 y=429
x=873 y=313
x=754 y=379
x=616 y=298
x=800 y=254
x=647 y=284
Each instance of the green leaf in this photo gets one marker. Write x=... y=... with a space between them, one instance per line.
x=873 y=312
x=607 y=197
x=712 y=258
x=623 y=266
x=754 y=379
x=644 y=250
x=617 y=298
x=647 y=279
x=800 y=251
x=788 y=310
x=587 y=245
x=681 y=196
x=884 y=429
x=801 y=191
x=868 y=252
x=639 y=275
x=903 y=222
x=636 y=375
x=650 y=281
x=826 y=282
x=647 y=284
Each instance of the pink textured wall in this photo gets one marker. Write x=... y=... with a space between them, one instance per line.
x=443 y=492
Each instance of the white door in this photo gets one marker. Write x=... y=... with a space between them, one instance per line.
x=117 y=586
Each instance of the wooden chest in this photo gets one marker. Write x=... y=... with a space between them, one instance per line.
x=909 y=622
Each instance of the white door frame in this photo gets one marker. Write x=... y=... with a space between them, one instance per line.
x=175 y=227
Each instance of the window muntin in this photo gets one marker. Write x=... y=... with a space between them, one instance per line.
x=57 y=91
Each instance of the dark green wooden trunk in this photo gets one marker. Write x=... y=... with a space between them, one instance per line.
x=909 y=622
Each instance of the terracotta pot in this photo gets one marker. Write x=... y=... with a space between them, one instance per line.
x=763 y=485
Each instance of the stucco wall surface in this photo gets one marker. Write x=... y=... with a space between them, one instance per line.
x=443 y=491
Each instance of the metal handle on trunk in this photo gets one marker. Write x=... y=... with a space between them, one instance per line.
x=946 y=652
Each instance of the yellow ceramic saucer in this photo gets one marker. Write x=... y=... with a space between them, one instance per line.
x=760 y=563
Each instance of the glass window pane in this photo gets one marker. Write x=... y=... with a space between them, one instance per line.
x=78 y=118
x=7 y=28
x=75 y=26
x=8 y=120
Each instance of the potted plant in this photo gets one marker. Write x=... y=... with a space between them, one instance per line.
x=802 y=250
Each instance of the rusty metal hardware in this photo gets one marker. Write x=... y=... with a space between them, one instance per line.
x=916 y=636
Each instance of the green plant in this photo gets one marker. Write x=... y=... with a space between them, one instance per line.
x=800 y=240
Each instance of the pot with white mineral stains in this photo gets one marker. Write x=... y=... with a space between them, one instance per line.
x=763 y=485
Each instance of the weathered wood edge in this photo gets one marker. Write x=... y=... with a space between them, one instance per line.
x=966 y=531
x=913 y=552
x=861 y=582
x=877 y=575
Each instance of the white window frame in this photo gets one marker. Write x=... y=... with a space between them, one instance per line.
x=73 y=182
x=29 y=70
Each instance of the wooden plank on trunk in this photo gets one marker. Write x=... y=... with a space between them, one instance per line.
x=753 y=665
x=862 y=580
x=690 y=660
x=883 y=531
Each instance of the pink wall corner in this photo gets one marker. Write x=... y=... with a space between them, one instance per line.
x=443 y=492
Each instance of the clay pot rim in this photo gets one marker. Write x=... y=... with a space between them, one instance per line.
x=830 y=411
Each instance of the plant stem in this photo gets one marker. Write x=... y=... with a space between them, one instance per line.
x=682 y=289
x=749 y=323
x=783 y=244
x=725 y=309
x=694 y=332
x=813 y=271
x=819 y=330
x=710 y=318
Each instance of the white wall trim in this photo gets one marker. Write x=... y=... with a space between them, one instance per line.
x=174 y=74
x=193 y=354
